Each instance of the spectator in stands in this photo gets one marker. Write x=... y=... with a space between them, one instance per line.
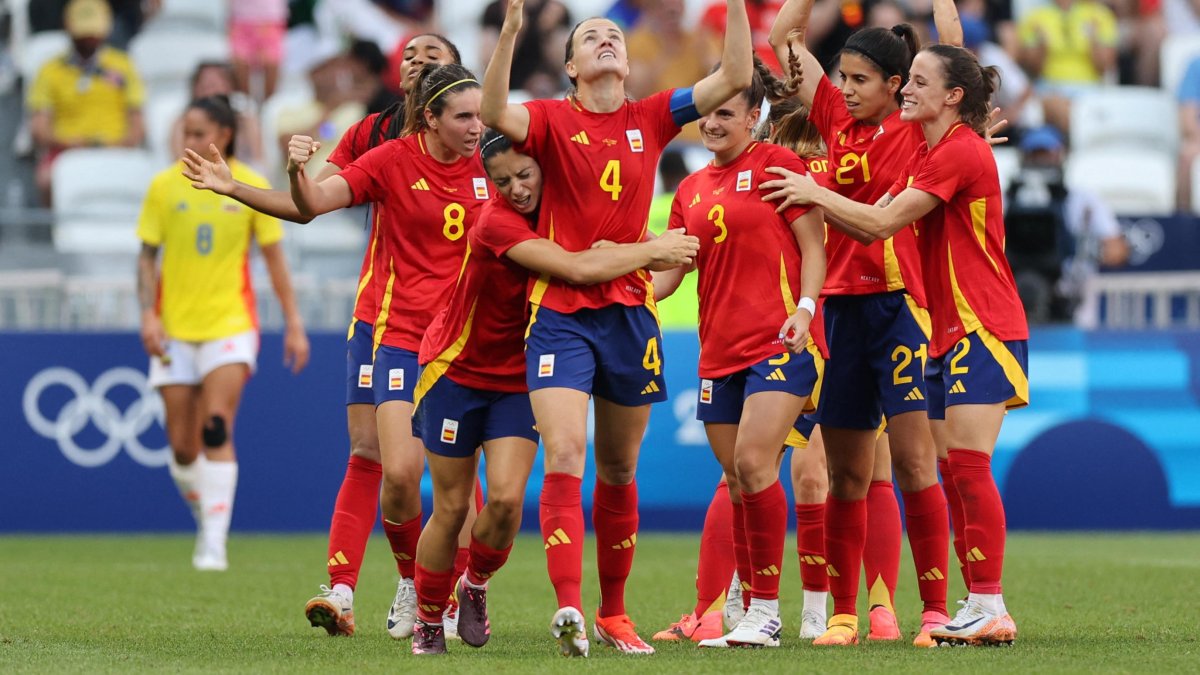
x=256 y=30
x=128 y=17
x=217 y=78
x=664 y=55
x=340 y=94
x=537 y=64
x=1057 y=237
x=89 y=97
x=1189 y=132
x=762 y=16
x=1070 y=47
x=626 y=13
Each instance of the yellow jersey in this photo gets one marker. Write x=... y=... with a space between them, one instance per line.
x=204 y=290
x=1069 y=36
x=89 y=103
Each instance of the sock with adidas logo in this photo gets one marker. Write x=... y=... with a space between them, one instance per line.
x=765 y=514
x=845 y=538
x=402 y=537
x=716 y=553
x=954 y=506
x=484 y=561
x=929 y=539
x=881 y=553
x=741 y=551
x=560 y=514
x=615 y=520
x=433 y=592
x=810 y=547
x=984 y=518
x=354 y=515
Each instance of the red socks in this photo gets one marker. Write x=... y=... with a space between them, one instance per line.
x=716 y=552
x=881 y=553
x=460 y=561
x=810 y=545
x=353 y=518
x=845 y=538
x=433 y=593
x=403 y=539
x=928 y=536
x=984 y=529
x=485 y=561
x=741 y=552
x=615 y=520
x=561 y=516
x=957 y=519
x=766 y=531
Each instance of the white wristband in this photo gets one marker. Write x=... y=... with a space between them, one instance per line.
x=809 y=304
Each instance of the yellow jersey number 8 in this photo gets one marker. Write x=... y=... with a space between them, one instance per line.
x=454 y=227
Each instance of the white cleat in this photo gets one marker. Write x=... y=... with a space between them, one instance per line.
x=332 y=611
x=210 y=557
x=733 y=611
x=759 y=628
x=976 y=625
x=812 y=625
x=403 y=613
x=450 y=621
x=568 y=628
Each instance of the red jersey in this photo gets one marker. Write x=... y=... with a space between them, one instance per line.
x=599 y=171
x=749 y=261
x=478 y=340
x=355 y=143
x=438 y=203
x=962 y=241
x=864 y=161
x=818 y=168
x=762 y=16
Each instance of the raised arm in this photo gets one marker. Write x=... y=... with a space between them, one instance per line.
x=787 y=39
x=882 y=220
x=737 y=62
x=495 y=111
x=313 y=198
x=214 y=174
x=945 y=18
x=596 y=265
x=295 y=342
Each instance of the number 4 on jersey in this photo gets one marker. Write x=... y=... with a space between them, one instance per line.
x=610 y=180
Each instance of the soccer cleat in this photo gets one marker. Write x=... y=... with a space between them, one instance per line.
x=884 y=626
x=568 y=628
x=929 y=621
x=734 y=610
x=403 y=613
x=210 y=557
x=472 y=620
x=332 y=611
x=812 y=625
x=759 y=628
x=842 y=632
x=618 y=631
x=976 y=625
x=450 y=620
x=688 y=627
x=428 y=639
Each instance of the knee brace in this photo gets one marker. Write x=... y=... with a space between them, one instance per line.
x=214 y=433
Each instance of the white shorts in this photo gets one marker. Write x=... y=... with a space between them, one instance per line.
x=191 y=362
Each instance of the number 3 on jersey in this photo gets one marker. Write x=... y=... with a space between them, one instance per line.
x=610 y=180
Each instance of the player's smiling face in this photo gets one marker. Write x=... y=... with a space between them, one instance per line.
x=729 y=126
x=518 y=178
x=419 y=51
x=597 y=49
x=925 y=95
x=458 y=127
x=868 y=96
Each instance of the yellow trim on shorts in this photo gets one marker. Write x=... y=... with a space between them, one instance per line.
x=439 y=365
x=1016 y=375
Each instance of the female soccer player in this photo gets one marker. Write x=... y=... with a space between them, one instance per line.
x=599 y=152
x=200 y=324
x=358 y=498
x=472 y=388
x=977 y=367
x=876 y=327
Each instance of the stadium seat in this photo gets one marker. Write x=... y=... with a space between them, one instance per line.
x=1132 y=183
x=1128 y=117
x=38 y=49
x=166 y=59
x=1177 y=53
x=98 y=195
x=1008 y=164
x=160 y=113
x=202 y=15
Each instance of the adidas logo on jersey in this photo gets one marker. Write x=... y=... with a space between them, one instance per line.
x=958 y=388
x=651 y=388
x=339 y=558
x=581 y=138
x=933 y=575
x=695 y=200
x=420 y=185
x=915 y=395
x=777 y=376
x=558 y=537
x=628 y=543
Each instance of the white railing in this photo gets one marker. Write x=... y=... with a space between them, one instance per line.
x=1141 y=301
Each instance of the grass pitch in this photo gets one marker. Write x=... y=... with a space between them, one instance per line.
x=1083 y=603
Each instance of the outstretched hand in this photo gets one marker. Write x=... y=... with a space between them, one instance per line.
x=514 y=17
x=208 y=174
x=994 y=127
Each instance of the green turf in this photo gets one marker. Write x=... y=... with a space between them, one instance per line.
x=1083 y=603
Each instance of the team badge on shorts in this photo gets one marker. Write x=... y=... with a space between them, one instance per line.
x=706 y=391
x=743 y=181
x=481 y=191
x=395 y=379
x=635 y=140
x=449 y=431
x=364 y=376
x=546 y=365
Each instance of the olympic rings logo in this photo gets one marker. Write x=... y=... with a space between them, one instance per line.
x=122 y=429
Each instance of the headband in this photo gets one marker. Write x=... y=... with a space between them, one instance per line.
x=501 y=137
x=870 y=57
x=445 y=88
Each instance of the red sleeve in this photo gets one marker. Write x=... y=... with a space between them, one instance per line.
x=828 y=110
x=659 y=107
x=791 y=162
x=539 y=129
x=904 y=177
x=945 y=169
x=502 y=230
x=367 y=175
x=714 y=18
x=354 y=142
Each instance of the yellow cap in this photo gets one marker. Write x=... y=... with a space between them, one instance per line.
x=88 y=18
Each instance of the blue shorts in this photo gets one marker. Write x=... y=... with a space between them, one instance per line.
x=980 y=369
x=801 y=432
x=877 y=350
x=359 y=364
x=454 y=420
x=614 y=353
x=721 y=400
x=395 y=374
